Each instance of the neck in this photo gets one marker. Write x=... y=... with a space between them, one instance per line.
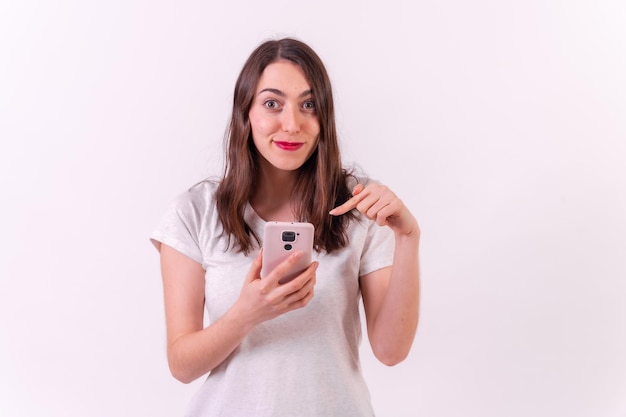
x=272 y=198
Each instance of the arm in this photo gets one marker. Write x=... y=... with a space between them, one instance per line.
x=390 y=295
x=391 y=302
x=192 y=350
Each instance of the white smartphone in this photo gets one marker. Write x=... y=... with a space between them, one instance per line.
x=281 y=239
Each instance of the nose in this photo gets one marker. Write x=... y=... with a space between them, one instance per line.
x=290 y=119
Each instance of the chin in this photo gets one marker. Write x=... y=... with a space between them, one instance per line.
x=287 y=164
x=289 y=167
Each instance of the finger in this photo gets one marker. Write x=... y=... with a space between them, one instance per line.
x=376 y=202
x=255 y=269
x=368 y=204
x=382 y=216
x=350 y=204
x=283 y=268
x=306 y=277
x=302 y=286
x=345 y=207
x=357 y=189
x=377 y=206
x=302 y=299
x=392 y=214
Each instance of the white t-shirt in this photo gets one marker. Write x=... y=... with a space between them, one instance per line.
x=303 y=363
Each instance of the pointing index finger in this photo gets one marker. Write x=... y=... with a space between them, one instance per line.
x=344 y=208
x=350 y=204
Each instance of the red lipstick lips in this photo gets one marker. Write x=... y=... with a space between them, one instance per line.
x=289 y=146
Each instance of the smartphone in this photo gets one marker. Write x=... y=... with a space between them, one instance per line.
x=280 y=240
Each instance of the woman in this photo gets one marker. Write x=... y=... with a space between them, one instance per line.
x=286 y=349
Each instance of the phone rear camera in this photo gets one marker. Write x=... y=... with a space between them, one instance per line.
x=289 y=236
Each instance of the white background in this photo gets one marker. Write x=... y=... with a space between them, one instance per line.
x=501 y=124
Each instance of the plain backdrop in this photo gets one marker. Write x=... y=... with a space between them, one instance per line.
x=501 y=125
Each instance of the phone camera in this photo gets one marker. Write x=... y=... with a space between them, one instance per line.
x=289 y=236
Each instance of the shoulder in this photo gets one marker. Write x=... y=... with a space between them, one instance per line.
x=199 y=194
x=355 y=174
x=196 y=202
x=204 y=189
x=189 y=220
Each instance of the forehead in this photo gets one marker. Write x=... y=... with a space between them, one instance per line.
x=285 y=76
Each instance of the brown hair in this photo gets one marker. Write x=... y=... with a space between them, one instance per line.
x=321 y=183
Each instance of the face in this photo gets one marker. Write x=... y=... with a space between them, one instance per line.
x=283 y=117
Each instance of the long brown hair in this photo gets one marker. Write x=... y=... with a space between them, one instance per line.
x=321 y=182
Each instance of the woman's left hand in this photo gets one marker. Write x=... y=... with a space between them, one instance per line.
x=377 y=202
x=390 y=295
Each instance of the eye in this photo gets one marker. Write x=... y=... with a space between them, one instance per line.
x=309 y=105
x=271 y=104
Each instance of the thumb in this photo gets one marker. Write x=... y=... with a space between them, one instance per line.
x=357 y=189
x=255 y=270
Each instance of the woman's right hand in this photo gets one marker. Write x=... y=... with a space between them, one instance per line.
x=192 y=349
x=264 y=299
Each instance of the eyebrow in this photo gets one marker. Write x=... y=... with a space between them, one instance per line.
x=281 y=94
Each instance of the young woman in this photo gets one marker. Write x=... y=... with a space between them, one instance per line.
x=287 y=349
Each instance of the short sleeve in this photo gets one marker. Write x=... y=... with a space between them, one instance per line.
x=180 y=226
x=378 y=249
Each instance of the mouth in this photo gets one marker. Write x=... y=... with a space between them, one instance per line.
x=289 y=146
